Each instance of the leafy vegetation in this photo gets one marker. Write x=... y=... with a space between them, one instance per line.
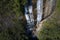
x=11 y=27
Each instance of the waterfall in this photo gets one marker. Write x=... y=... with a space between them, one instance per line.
x=50 y=5
x=29 y=17
x=30 y=12
x=39 y=10
x=27 y=14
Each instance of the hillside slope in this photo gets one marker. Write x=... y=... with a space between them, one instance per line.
x=51 y=27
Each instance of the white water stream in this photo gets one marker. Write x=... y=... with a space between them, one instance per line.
x=39 y=10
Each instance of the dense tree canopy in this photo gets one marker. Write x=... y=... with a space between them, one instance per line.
x=11 y=27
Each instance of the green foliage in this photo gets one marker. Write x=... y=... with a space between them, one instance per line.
x=11 y=28
x=23 y=2
x=50 y=31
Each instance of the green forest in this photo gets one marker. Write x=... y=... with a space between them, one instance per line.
x=13 y=28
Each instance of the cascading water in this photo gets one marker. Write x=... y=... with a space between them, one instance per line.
x=29 y=19
x=29 y=15
x=39 y=10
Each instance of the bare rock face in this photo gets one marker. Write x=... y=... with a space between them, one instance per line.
x=49 y=6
